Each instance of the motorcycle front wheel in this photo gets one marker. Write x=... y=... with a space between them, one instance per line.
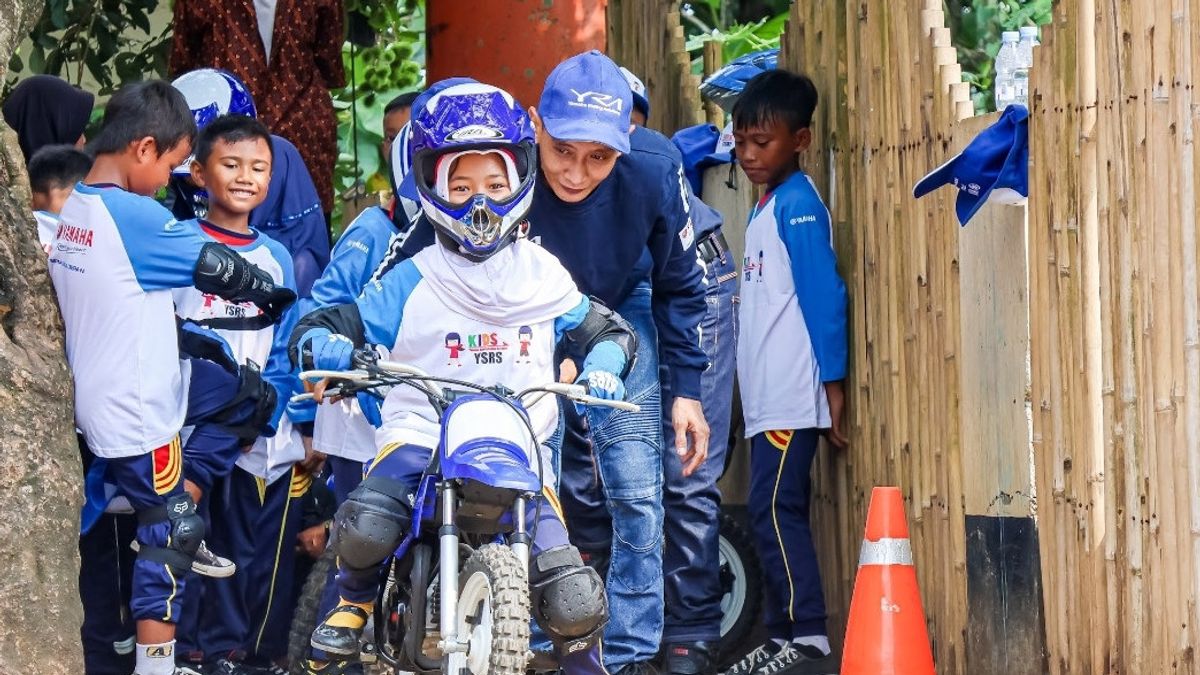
x=492 y=615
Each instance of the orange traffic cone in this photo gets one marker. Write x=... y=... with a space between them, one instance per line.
x=886 y=632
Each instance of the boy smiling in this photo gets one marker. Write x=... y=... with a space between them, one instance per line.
x=250 y=509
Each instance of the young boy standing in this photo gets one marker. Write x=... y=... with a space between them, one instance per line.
x=254 y=504
x=791 y=363
x=114 y=259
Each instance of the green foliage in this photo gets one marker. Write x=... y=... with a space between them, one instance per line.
x=704 y=22
x=111 y=40
x=976 y=26
x=374 y=76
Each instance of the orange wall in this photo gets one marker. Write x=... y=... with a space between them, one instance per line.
x=513 y=44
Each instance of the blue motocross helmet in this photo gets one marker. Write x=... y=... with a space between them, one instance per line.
x=725 y=86
x=211 y=93
x=473 y=117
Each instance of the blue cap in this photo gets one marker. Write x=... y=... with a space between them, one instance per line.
x=699 y=145
x=995 y=165
x=586 y=98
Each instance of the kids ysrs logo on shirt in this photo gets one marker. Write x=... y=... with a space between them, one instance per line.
x=486 y=348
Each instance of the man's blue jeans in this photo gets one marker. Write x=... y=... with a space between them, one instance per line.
x=624 y=460
x=692 y=505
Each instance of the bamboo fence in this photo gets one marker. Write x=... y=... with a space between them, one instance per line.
x=1111 y=332
x=891 y=99
x=646 y=36
x=1114 y=334
x=1085 y=308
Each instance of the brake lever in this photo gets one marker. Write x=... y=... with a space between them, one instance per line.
x=364 y=358
x=334 y=392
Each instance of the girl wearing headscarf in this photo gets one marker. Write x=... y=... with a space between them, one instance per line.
x=46 y=110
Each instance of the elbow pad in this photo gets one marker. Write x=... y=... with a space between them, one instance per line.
x=223 y=272
x=601 y=324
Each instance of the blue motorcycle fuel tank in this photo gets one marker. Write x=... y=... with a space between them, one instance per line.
x=488 y=441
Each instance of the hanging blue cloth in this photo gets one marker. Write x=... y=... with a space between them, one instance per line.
x=292 y=215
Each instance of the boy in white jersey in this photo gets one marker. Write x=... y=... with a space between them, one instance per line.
x=475 y=168
x=114 y=259
x=53 y=172
x=791 y=363
x=251 y=503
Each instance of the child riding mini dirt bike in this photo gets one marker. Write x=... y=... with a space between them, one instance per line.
x=460 y=310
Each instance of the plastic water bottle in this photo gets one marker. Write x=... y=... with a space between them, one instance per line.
x=1007 y=60
x=1029 y=40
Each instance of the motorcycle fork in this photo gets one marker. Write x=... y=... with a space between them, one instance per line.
x=448 y=572
x=520 y=537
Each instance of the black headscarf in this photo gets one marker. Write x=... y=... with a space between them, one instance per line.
x=46 y=110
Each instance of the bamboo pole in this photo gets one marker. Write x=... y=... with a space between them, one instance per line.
x=712 y=63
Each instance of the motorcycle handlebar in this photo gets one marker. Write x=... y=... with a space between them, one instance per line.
x=575 y=392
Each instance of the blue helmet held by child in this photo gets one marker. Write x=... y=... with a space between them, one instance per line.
x=472 y=117
x=211 y=93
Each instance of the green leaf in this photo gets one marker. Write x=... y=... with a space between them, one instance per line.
x=140 y=19
x=58 y=13
x=37 y=59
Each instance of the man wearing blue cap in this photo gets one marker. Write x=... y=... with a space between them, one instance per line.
x=608 y=198
x=612 y=206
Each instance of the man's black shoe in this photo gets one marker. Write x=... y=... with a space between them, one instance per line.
x=689 y=658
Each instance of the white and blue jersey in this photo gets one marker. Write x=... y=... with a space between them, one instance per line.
x=495 y=322
x=114 y=260
x=340 y=429
x=792 y=336
x=251 y=335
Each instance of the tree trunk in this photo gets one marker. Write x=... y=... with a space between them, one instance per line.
x=40 y=474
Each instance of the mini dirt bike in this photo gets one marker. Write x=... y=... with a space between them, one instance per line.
x=456 y=596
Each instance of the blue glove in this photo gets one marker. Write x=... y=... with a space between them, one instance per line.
x=326 y=350
x=602 y=384
x=370 y=405
x=599 y=371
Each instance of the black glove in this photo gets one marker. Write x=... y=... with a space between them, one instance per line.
x=221 y=271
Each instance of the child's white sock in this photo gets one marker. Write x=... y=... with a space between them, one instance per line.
x=155 y=659
x=820 y=642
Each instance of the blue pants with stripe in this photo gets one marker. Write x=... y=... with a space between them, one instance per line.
x=147 y=480
x=209 y=454
x=254 y=525
x=780 y=490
